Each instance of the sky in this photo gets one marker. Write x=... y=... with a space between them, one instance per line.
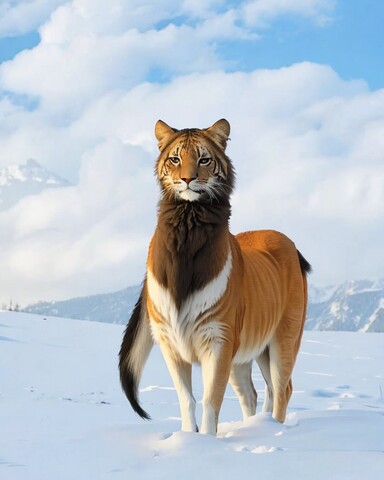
x=83 y=82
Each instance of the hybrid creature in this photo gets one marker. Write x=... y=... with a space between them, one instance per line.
x=210 y=297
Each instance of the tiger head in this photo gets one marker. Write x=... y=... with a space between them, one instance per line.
x=192 y=165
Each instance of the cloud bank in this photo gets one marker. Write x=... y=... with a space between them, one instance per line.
x=307 y=145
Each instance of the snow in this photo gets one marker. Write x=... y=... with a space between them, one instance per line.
x=64 y=416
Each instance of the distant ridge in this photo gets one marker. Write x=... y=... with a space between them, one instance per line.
x=352 y=306
x=107 y=308
x=19 y=181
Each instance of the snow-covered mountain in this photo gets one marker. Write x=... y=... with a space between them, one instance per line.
x=19 y=181
x=352 y=306
x=107 y=308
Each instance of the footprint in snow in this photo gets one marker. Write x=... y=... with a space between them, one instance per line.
x=258 y=450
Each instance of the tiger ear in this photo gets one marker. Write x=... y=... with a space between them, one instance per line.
x=220 y=132
x=163 y=132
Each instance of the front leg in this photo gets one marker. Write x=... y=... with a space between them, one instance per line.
x=216 y=366
x=181 y=373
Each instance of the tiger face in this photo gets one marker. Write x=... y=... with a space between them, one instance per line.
x=192 y=165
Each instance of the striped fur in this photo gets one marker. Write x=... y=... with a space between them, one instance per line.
x=211 y=297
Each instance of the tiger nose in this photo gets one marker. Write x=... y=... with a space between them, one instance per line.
x=187 y=180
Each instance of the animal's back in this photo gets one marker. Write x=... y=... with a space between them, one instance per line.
x=268 y=241
x=273 y=289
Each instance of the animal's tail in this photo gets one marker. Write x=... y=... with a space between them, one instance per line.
x=305 y=266
x=135 y=348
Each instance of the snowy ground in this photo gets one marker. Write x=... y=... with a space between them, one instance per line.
x=63 y=415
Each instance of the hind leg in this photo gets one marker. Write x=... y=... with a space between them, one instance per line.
x=240 y=379
x=282 y=360
x=284 y=347
x=263 y=362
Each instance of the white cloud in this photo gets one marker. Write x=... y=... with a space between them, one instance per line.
x=91 y=47
x=355 y=194
x=68 y=74
x=202 y=8
x=227 y=25
x=117 y=16
x=302 y=168
x=98 y=17
x=102 y=18
x=56 y=242
x=18 y=17
x=260 y=13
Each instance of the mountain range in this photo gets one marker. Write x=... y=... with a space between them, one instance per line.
x=107 y=308
x=19 y=181
x=351 y=306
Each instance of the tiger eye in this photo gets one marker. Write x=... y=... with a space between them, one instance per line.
x=205 y=161
x=174 y=160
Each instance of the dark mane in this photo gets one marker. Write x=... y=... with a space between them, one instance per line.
x=188 y=245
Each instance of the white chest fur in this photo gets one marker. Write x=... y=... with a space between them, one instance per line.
x=179 y=326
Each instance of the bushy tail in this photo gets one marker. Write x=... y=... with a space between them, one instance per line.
x=135 y=348
x=304 y=265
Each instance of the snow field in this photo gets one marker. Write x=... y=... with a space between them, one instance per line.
x=64 y=416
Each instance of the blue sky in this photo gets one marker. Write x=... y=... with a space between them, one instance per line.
x=11 y=46
x=352 y=43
